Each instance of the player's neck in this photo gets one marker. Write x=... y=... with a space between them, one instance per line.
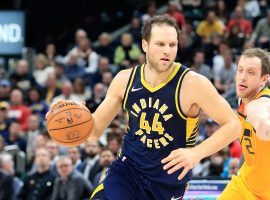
x=154 y=77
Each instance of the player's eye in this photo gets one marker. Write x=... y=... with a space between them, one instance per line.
x=251 y=73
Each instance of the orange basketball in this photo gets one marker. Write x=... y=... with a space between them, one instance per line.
x=69 y=123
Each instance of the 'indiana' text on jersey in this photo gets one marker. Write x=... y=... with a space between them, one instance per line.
x=157 y=124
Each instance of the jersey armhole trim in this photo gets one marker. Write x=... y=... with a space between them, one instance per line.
x=177 y=95
x=130 y=81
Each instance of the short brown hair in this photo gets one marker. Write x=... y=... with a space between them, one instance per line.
x=158 y=20
x=263 y=55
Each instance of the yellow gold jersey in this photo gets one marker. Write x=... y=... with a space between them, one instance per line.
x=255 y=172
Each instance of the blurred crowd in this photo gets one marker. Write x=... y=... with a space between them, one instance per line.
x=32 y=166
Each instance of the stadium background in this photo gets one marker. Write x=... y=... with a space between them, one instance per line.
x=73 y=49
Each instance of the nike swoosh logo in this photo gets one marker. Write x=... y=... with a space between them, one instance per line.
x=178 y=198
x=135 y=89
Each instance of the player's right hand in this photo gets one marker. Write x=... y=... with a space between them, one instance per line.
x=59 y=102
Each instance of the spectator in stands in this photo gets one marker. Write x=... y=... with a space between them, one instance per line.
x=35 y=102
x=174 y=10
x=222 y=11
x=251 y=8
x=135 y=30
x=5 y=88
x=114 y=141
x=261 y=35
x=105 y=47
x=75 y=156
x=90 y=167
x=199 y=65
x=86 y=56
x=106 y=158
x=72 y=69
x=211 y=25
x=67 y=93
x=233 y=166
x=41 y=140
x=99 y=93
x=104 y=65
x=40 y=184
x=54 y=150
x=80 y=35
x=22 y=77
x=193 y=9
x=59 y=68
x=18 y=110
x=31 y=135
x=80 y=89
x=4 y=120
x=70 y=185
x=6 y=186
x=7 y=165
x=107 y=78
x=186 y=50
x=216 y=165
x=51 y=89
x=127 y=52
x=218 y=59
x=42 y=69
x=238 y=29
x=15 y=136
x=150 y=11
x=50 y=52
x=224 y=80
x=235 y=149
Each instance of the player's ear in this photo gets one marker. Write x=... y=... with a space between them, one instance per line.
x=144 y=45
x=265 y=79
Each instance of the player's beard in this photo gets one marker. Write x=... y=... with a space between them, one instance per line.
x=158 y=67
x=248 y=94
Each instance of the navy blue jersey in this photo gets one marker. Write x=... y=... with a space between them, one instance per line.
x=157 y=125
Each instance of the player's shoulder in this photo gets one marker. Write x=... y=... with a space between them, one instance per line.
x=193 y=79
x=123 y=76
x=120 y=81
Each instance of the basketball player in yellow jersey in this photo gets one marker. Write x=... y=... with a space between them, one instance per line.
x=162 y=98
x=253 y=179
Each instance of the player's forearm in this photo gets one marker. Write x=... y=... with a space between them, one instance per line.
x=97 y=130
x=220 y=139
x=95 y=134
x=259 y=117
x=261 y=124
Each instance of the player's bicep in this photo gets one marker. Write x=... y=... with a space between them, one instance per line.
x=111 y=105
x=214 y=105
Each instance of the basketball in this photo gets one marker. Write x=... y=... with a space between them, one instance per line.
x=69 y=123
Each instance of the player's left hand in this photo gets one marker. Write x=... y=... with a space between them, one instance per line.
x=186 y=158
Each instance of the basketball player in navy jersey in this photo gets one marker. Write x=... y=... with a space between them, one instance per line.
x=163 y=100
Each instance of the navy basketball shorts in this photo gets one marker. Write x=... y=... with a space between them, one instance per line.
x=124 y=182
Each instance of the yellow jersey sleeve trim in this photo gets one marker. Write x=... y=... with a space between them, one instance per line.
x=177 y=96
x=191 y=129
x=98 y=188
x=154 y=89
x=129 y=86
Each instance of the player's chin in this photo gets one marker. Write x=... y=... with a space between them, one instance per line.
x=165 y=67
